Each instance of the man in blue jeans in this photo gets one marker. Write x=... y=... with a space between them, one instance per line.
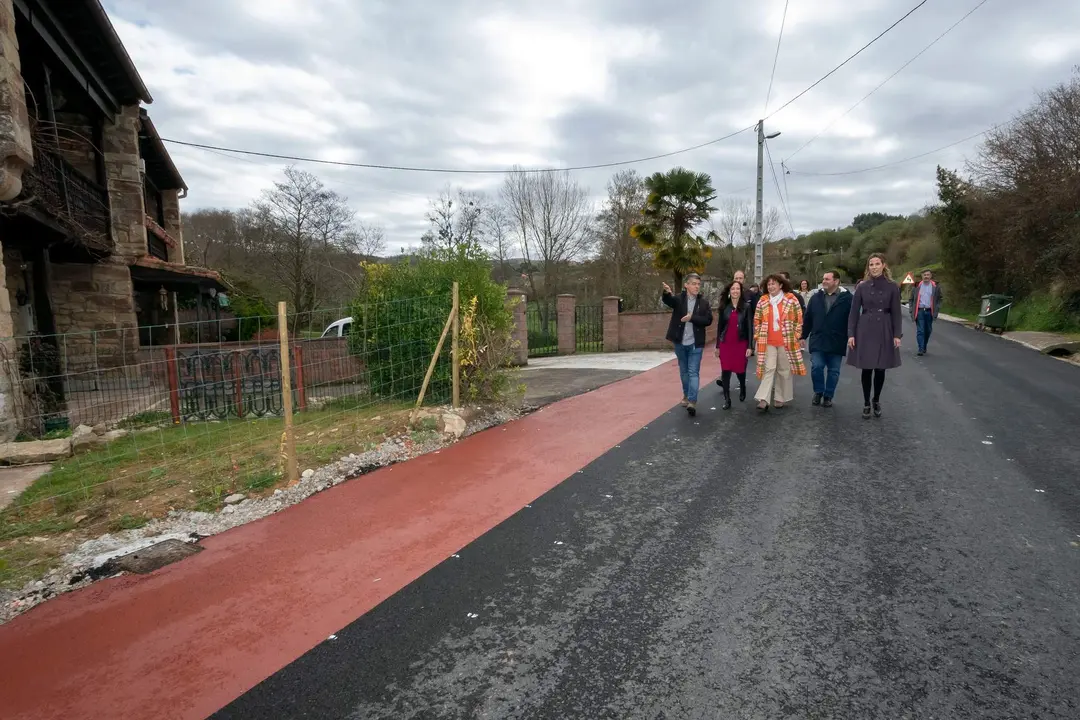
x=690 y=315
x=925 y=306
x=825 y=329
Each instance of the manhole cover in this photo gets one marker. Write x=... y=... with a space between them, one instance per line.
x=156 y=556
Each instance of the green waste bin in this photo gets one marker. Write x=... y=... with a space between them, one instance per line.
x=994 y=313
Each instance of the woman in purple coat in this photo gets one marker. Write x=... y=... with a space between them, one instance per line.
x=875 y=326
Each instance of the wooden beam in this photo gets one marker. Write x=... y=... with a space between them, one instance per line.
x=61 y=44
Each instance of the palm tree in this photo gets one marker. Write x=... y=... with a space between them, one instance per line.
x=678 y=201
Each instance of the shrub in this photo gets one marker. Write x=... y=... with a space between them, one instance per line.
x=400 y=314
x=486 y=352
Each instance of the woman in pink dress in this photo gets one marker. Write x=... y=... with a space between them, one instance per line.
x=733 y=339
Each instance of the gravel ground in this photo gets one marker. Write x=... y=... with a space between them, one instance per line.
x=94 y=559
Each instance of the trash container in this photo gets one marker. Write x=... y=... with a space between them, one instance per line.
x=994 y=313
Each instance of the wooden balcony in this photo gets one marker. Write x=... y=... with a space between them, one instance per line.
x=63 y=193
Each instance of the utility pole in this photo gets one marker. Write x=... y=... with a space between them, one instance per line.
x=759 y=241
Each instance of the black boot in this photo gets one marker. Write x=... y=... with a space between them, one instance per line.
x=727 y=398
x=742 y=388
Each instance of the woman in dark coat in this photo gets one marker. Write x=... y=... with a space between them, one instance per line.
x=733 y=332
x=875 y=326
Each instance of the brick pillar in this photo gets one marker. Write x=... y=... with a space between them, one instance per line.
x=170 y=208
x=516 y=300
x=16 y=148
x=565 y=325
x=611 y=324
x=125 y=184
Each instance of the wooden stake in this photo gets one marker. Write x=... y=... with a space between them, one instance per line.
x=431 y=365
x=455 y=355
x=288 y=438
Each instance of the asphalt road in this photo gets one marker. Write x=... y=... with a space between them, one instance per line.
x=803 y=564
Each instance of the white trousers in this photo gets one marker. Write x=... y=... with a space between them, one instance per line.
x=777 y=382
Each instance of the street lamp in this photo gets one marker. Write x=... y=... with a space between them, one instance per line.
x=759 y=241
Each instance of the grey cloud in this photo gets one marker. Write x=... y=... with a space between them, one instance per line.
x=423 y=73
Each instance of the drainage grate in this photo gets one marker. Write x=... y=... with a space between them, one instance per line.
x=156 y=556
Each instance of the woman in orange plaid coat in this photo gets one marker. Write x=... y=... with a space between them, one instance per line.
x=777 y=331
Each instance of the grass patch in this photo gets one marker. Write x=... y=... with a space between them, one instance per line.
x=125 y=484
x=1038 y=313
x=149 y=418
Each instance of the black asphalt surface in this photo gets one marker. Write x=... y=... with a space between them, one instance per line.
x=802 y=564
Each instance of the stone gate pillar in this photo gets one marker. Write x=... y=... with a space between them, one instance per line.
x=611 y=324
x=566 y=325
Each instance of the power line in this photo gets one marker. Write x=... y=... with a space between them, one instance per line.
x=849 y=59
x=898 y=71
x=776 y=57
x=456 y=171
x=776 y=183
x=501 y=171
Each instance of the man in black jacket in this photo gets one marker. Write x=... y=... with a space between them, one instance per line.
x=690 y=315
x=825 y=327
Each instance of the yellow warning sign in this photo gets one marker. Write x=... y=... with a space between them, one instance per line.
x=908 y=280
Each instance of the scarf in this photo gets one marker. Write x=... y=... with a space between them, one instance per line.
x=775 y=301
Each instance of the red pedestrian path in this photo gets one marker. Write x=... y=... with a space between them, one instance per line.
x=186 y=640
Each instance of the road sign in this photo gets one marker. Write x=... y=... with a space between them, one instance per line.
x=908 y=280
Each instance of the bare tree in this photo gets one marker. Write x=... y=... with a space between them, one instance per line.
x=456 y=218
x=628 y=262
x=551 y=214
x=304 y=221
x=498 y=226
x=367 y=242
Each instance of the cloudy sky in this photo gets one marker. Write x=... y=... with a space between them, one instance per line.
x=487 y=84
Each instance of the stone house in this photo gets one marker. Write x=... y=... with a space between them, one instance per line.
x=90 y=227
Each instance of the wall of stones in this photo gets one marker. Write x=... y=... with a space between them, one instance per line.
x=125 y=184
x=94 y=309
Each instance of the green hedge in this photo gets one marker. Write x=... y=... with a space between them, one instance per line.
x=401 y=313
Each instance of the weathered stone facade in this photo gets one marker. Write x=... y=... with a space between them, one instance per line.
x=125 y=184
x=170 y=202
x=9 y=384
x=16 y=149
x=93 y=305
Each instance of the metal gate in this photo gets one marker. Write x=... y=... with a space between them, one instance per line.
x=542 y=327
x=589 y=328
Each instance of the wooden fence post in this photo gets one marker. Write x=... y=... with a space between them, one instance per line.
x=298 y=360
x=288 y=438
x=431 y=366
x=455 y=356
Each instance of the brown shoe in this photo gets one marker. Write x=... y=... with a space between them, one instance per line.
x=684 y=402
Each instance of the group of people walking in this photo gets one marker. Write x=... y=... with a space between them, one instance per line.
x=775 y=326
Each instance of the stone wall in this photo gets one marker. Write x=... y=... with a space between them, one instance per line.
x=125 y=184
x=16 y=150
x=93 y=309
x=646 y=331
x=10 y=388
x=170 y=200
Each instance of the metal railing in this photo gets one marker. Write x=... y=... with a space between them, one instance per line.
x=541 y=322
x=61 y=190
x=589 y=328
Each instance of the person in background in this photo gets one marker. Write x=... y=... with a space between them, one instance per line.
x=799 y=297
x=778 y=324
x=925 y=306
x=690 y=315
x=733 y=332
x=825 y=328
x=805 y=292
x=875 y=326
